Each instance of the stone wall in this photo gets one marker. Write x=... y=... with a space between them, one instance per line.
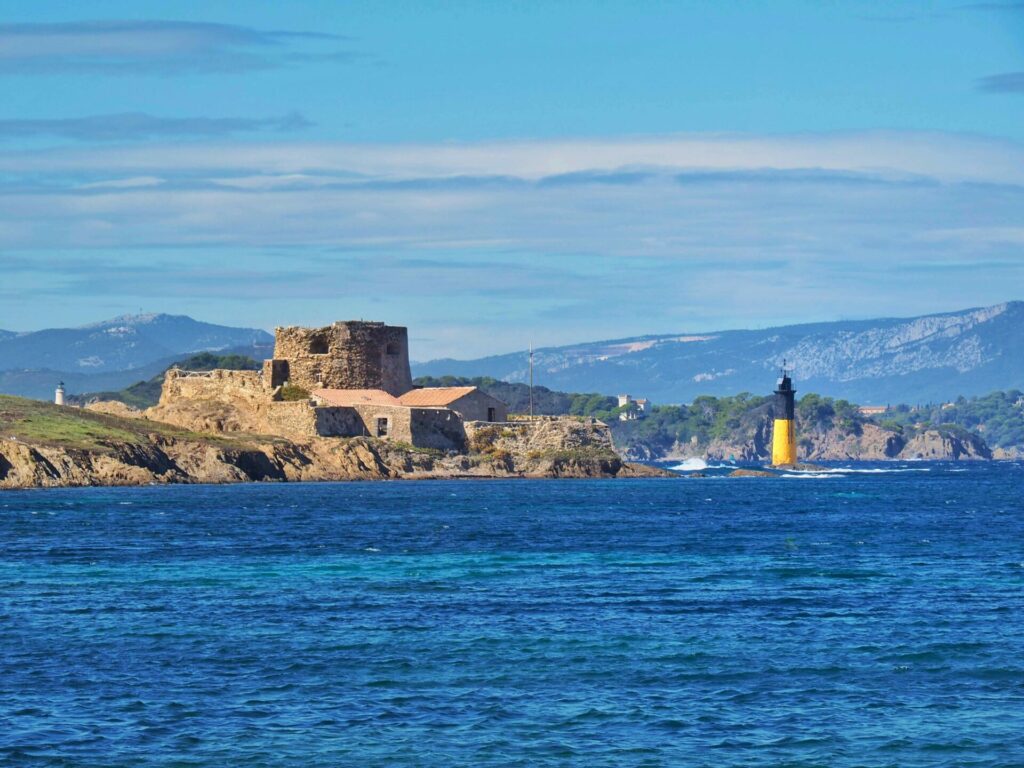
x=477 y=405
x=240 y=401
x=542 y=436
x=212 y=385
x=439 y=428
x=346 y=355
x=299 y=420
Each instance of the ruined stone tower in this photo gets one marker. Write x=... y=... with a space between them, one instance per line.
x=347 y=355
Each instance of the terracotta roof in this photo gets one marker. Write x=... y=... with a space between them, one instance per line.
x=436 y=396
x=355 y=397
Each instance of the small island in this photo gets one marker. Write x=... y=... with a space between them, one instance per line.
x=334 y=403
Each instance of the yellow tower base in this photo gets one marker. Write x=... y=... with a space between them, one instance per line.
x=783 y=442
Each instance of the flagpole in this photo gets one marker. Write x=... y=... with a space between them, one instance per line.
x=531 y=381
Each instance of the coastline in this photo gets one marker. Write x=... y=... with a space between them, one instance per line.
x=44 y=446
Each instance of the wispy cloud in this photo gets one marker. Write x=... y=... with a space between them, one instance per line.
x=586 y=231
x=131 y=126
x=1009 y=5
x=164 y=47
x=1006 y=82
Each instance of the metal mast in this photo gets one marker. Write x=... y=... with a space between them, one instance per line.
x=531 y=381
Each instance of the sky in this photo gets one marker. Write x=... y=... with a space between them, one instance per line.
x=499 y=174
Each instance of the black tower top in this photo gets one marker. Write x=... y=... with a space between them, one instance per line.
x=785 y=397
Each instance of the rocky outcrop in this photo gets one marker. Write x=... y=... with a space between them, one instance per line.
x=940 y=444
x=550 y=447
x=866 y=442
x=158 y=459
x=114 y=408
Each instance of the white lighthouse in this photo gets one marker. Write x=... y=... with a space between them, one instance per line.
x=58 y=398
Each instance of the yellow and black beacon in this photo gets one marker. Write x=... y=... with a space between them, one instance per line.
x=784 y=428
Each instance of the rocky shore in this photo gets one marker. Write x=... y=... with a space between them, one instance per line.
x=43 y=445
x=865 y=442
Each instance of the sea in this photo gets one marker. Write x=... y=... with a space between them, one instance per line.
x=872 y=615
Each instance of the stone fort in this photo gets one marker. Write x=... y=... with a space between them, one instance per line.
x=348 y=379
x=345 y=355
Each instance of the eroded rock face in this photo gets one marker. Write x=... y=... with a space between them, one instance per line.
x=161 y=459
x=934 y=444
x=114 y=408
x=548 y=447
x=870 y=443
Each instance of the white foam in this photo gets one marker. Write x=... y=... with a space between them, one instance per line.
x=690 y=465
x=811 y=475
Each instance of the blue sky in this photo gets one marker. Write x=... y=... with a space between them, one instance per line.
x=493 y=174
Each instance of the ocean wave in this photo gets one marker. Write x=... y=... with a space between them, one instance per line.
x=690 y=465
x=696 y=464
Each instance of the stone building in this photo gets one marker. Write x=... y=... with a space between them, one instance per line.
x=471 y=403
x=346 y=355
x=358 y=381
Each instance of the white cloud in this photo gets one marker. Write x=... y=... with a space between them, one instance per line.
x=688 y=228
x=888 y=156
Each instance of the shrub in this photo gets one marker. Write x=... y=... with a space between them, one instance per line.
x=292 y=392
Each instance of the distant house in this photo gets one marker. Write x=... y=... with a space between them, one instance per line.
x=635 y=409
x=471 y=403
x=872 y=410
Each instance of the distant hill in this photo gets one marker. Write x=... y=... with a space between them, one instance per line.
x=114 y=353
x=933 y=358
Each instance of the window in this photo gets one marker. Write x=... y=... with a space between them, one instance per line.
x=318 y=346
x=391 y=349
x=382 y=427
x=492 y=415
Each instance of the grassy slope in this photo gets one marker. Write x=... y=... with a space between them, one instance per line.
x=38 y=423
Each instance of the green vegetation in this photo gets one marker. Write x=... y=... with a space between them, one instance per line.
x=144 y=394
x=823 y=413
x=38 y=423
x=706 y=419
x=292 y=392
x=998 y=417
x=546 y=402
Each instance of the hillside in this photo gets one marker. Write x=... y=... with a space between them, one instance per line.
x=739 y=427
x=912 y=360
x=997 y=416
x=114 y=353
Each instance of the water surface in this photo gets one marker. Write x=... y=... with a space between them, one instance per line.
x=859 y=619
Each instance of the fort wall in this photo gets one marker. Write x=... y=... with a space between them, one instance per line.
x=346 y=355
x=211 y=385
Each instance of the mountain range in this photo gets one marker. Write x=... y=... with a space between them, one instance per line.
x=113 y=353
x=932 y=358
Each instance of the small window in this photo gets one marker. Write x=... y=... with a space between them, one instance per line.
x=392 y=349
x=382 y=427
x=492 y=415
x=318 y=346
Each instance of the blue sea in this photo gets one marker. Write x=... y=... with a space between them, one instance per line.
x=868 y=618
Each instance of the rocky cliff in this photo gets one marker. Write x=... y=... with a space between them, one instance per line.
x=862 y=442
